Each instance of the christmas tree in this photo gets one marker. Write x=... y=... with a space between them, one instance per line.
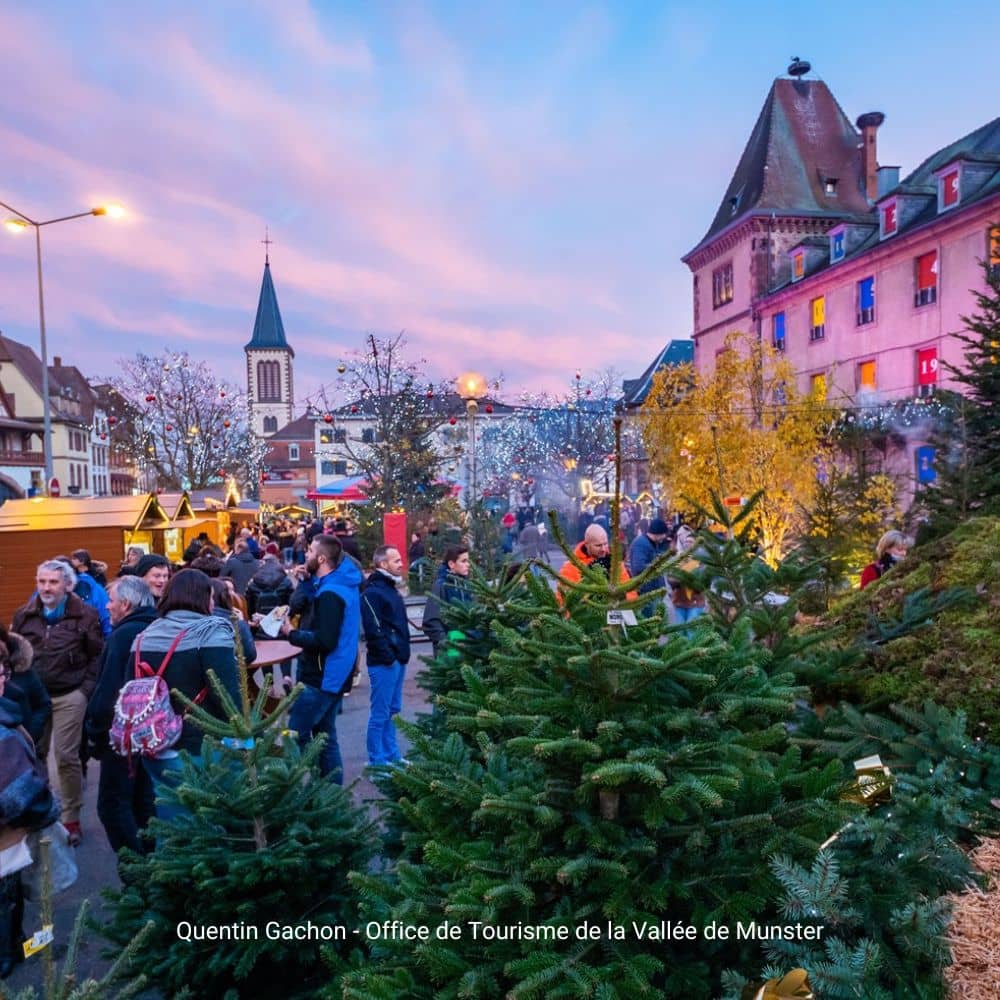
x=262 y=851
x=968 y=442
x=596 y=792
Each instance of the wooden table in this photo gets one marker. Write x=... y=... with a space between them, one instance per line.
x=271 y=651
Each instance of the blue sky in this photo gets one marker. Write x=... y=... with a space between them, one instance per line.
x=512 y=184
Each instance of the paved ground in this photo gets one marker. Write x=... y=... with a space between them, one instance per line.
x=97 y=862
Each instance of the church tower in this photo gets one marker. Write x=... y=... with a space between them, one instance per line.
x=269 y=364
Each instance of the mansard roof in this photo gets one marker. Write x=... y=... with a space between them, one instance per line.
x=801 y=140
x=268 y=330
x=677 y=352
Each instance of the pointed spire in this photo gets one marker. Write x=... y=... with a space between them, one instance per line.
x=268 y=330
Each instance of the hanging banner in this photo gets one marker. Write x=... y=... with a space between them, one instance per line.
x=926 y=473
x=927 y=366
x=819 y=311
x=394 y=534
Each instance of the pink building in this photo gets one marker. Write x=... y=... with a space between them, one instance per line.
x=859 y=278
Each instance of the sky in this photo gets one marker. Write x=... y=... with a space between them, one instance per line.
x=512 y=184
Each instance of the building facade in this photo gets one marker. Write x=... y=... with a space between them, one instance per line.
x=860 y=279
x=290 y=463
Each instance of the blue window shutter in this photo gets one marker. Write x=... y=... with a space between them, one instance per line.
x=779 y=326
x=866 y=293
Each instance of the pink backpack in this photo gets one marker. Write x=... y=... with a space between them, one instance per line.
x=145 y=722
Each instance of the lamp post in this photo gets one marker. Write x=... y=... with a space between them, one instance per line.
x=17 y=225
x=471 y=386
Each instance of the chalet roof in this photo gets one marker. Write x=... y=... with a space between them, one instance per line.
x=802 y=138
x=24 y=359
x=441 y=404
x=677 y=352
x=268 y=330
x=54 y=513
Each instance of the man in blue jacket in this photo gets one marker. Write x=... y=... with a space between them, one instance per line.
x=329 y=648
x=387 y=634
x=646 y=548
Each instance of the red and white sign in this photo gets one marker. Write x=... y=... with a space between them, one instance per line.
x=53 y=487
x=889 y=219
x=927 y=366
x=927 y=270
x=949 y=189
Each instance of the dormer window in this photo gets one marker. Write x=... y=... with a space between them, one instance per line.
x=830 y=187
x=949 y=187
x=798 y=266
x=887 y=219
x=836 y=245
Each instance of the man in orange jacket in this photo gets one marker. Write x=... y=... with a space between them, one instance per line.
x=593 y=549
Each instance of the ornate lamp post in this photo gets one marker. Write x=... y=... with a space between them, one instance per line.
x=471 y=386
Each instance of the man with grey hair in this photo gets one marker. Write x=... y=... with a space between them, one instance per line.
x=124 y=800
x=67 y=640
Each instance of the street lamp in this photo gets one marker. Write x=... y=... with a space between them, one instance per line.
x=18 y=224
x=471 y=386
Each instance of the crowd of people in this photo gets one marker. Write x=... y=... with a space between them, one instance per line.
x=77 y=647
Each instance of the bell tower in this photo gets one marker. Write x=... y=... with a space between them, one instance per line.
x=269 y=362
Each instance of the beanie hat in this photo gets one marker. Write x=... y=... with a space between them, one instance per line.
x=271 y=548
x=657 y=527
x=148 y=562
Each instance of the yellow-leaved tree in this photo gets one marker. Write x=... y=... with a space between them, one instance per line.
x=743 y=429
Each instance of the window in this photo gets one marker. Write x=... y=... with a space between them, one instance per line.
x=927 y=274
x=836 y=246
x=948 y=189
x=866 y=301
x=925 y=455
x=270 y=425
x=778 y=331
x=830 y=187
x=269 y=382
x=722 y=285
x=866 y=376
x=368 y=436
x=326 y=435
x=798 y=266
x=340 y=436
x=927 y=371
x=817 y=331
x=293 y=453
x=817 y=385
x=340 y=468
x=888 y=219
x=994 y=250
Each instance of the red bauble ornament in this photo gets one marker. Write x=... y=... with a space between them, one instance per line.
x=226 y=423
x=222 y=472
x=169 y=427
x=354 y=409
x=327 y=418
x=453 y=421
x=264 y=477
x=159 y=490
x=578 y=376
x=489 y=408
x=222 y=395
x=588 y=392
x=112 y=421
x=104 y=437
x=150 y=398
x=430 y=393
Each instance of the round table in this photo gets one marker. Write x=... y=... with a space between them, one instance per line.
x=271 y=651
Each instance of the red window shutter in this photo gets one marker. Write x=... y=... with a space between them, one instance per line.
x=927 y=270
x=927 y=366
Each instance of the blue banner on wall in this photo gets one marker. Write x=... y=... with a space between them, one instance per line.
x=926 y=473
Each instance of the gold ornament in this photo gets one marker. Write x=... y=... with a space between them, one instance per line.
x=794 y=986
x=874 y=782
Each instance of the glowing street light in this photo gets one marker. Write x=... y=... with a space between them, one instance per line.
x=17 y=225
x=471 y=386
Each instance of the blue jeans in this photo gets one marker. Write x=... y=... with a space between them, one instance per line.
x=386 y=701
x=315 y=714
x=688 y=614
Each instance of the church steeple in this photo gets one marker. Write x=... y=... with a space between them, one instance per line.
x=269 y=361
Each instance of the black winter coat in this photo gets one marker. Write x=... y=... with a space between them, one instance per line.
x=383 y=613
x=269 y=588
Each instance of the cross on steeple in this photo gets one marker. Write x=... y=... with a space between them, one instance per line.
x=267 y=241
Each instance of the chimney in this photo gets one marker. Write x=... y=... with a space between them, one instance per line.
x=57 y=362
x=869 y=124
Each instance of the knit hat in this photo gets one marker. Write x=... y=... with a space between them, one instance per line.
x=657 y=527
x=148 y=562
x=271 y=548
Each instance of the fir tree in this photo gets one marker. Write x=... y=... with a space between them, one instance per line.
x=263 y=839
x=968 y=442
